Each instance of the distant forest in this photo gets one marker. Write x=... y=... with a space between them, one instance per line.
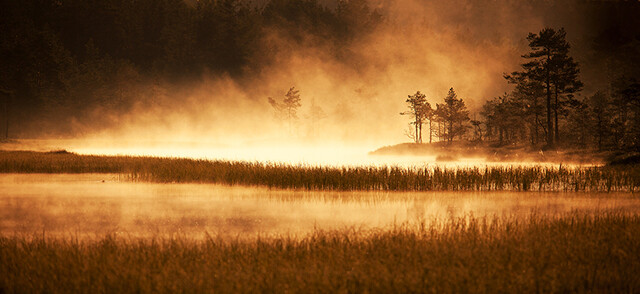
x=69 y=62
x=84 y=57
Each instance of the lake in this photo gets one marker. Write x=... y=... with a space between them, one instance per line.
x=326 y=154
x=89 y=205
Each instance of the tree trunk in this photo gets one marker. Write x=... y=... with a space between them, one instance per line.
x=430 y=132
x=537 y=120
x=555 y=109
x=6 y=114
x=600 y=133
x=549 y=122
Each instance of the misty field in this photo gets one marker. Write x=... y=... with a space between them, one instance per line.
x=567 y=253
x=363 y=178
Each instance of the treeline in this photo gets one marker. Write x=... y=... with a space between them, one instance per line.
x=78 y=56
x=544 y=108
x=446 y=122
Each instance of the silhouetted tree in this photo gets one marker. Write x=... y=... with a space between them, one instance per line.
x=428 y=113
x=420 y=110
x=529 y=93
x=625 y=113
x=565 y=81
x=549 y=64
x=288 y=108
x=598 y=110
x=454 y=115
x=7 y=96
x=477 y=130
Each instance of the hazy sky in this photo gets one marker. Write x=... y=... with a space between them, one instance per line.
x=427 y=46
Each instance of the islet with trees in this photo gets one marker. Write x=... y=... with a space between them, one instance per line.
x=544 y=111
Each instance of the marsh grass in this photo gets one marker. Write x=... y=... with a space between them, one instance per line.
x=569 y=253
x=372 y=178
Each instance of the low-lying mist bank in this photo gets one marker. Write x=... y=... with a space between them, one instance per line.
x=308 y=177
x=569 y=253
x=444 y=151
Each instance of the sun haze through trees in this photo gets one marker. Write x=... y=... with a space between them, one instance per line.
x=288 y=108
x=420 y=110
x=453 y=112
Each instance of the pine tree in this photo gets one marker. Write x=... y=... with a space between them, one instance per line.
x=288 y=108
x=421 y=110
x=529 y=94
x=454 y=114
x=551 y=67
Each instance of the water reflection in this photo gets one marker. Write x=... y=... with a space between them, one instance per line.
x=90 y=205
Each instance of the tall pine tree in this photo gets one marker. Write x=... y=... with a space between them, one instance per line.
x=453 y=112
x=550 y=66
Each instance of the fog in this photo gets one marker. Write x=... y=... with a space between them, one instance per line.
x=351 y=92
x=425 y=46
x=90 y=205
x=361 y=98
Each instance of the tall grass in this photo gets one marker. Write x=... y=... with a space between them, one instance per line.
x=514 y=178
x=570 y=253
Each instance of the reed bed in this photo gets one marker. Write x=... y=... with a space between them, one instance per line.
x=571 y=253
x=372 y=178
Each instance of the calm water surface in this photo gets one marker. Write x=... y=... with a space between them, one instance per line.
x=88 y=205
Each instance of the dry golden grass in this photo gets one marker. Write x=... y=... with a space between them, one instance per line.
x=570 y=253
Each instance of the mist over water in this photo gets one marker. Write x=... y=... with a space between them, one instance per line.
x=289 y=153
x=90 y=205
x=358 y=83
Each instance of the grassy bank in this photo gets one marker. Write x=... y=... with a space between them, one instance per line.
x=518 y=178
x=572 y=253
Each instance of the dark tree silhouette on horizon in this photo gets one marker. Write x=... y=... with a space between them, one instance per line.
x=453 y=112
x=550 y=66
x=288 y=108
x=420 y=110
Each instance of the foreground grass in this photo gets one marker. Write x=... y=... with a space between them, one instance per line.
x=572 y=253
x=329 y=178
